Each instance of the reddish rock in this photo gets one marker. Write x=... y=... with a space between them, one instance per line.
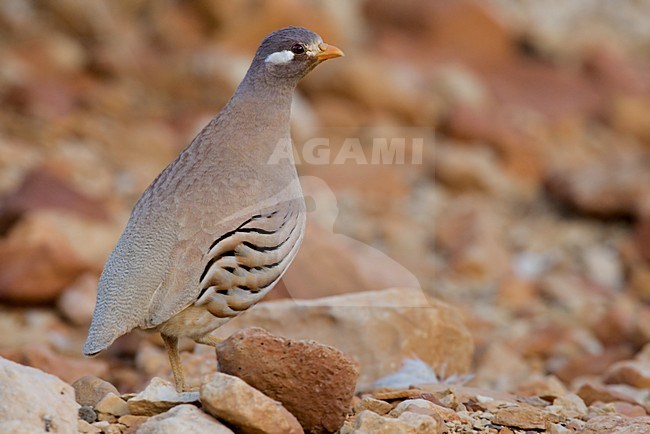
x=630 y=115
x=635 y=373
x=629 y=372
x=643 y=239
x=639 y=280
x=619 y=324
x=42 y=190
x=375 y=405
x=463 y=168
x=26 y=280
x=77 y=302
x=614 y=72
x=592 y=392
x=518 y=294
x=524 y=417
x=613 y=186
x=451 y=31
x=519 y=155
x=387 y=93
x=314 y=382
x=558 y=94
x=617 y=425
x=629 y=410
x=66 y=368
x=547 y=388
x=501 y=368
x=471 y=233
x=591 y=364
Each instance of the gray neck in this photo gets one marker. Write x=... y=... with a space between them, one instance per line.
x=251 y=126
x=264 y=101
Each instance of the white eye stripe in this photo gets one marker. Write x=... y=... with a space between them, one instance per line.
x=280 y=57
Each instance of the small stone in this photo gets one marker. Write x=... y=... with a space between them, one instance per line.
x=613 y=185
x=314 y=382
x=113 y=428
x=592 y=392
x=87 y=413
x=84 y=427
x=112 y=404
x=240 y=405
x=184 y=418
x=105 y=417
x=375 y=405
x=422 y=423
x=89 y=390
x=23 y=280
x=101 y=425
x=408 y=423
x=556 y=428
x=423 y=406
x=158 y=397
x=524 y=417
x=569 y=406
x=391 y=395
x=131 y=420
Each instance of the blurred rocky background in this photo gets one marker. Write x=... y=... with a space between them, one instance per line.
x=528 y=219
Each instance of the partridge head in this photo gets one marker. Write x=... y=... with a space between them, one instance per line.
x=217 y=229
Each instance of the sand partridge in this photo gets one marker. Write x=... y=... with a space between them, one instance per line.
x=219 y=226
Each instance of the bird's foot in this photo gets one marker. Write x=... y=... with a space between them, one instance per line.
x=209 y=340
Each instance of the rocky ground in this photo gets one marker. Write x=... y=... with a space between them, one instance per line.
x=520 y=241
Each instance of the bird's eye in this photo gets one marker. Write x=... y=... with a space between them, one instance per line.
x=298 y=49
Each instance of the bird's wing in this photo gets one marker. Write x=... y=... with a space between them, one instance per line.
x=155 y=270
x=261 y=232
x=135 y=270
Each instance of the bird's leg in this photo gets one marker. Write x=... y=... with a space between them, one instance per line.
x=208 y=340
x=171 y=344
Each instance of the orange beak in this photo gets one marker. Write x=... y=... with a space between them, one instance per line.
x=328 y=52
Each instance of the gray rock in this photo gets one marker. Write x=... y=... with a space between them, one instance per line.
x=87 y=413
